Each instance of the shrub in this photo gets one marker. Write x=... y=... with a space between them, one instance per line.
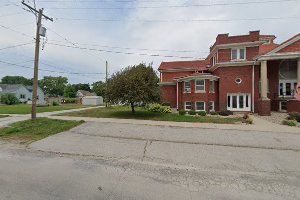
x=9 y=99
x=166 y=104
x=70 y=100
x=289 y=122
x=226 y=113
x=202 y=113
x=294 y=114
x=192 y=112
x=249 y=120
x=246 y=116
x=213 y=113
x=182 y=112
x=54 y=103
x=158 y=108
x=298 y=118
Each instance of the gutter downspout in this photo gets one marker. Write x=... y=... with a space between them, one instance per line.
x=177 y=95
x=253 y=84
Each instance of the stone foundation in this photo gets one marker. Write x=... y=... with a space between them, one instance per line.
x=264 y=107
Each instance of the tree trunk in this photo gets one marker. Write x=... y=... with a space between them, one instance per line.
x=132 y=107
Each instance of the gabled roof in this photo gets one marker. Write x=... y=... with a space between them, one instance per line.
x=265 y=48
x=200 y=65
x=286 y=43
x=87 y=93
x=10 y=88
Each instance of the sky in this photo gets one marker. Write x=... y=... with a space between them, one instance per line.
x=86 y=33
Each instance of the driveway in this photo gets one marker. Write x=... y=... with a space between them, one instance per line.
x=269 y=161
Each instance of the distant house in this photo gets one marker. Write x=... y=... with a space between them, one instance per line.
x=23 y=93
x=84 y=93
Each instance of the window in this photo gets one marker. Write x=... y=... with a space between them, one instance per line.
x=22 y=96
x=214 y=59
x=187 y=86
x=188 y=105
x=200 y=85
x=239 y=102
x=238 y=54
x=238 y=80
x=200 y=106
x=211 y=106
x=211 y=86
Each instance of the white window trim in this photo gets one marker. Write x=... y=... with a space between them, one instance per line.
x=185 y=105
x=213 y=105
x=200 y=102
x=210 y=85
x=200 y=91
x=238 y=54
x=244 y=102
x=284 y=82
x=185 y=88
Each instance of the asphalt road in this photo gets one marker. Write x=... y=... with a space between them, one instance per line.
x=124 y=161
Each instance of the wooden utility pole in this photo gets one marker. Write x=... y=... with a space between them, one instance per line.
x=36 y=57
x=106 y=103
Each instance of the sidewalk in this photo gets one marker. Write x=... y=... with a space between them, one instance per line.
x=260 y=125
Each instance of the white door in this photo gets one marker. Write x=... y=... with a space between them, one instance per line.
x=287 y=87
x=239 y=102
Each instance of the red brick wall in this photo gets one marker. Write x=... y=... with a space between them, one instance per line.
x=168 y=94
x=295 y=47
x=273 y=76
x=293 y=106
x=227 y=82
x=225 y=54
x=169 y=76
x=195 y=97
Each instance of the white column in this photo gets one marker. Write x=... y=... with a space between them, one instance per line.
x=298 y=73
x=264 y=80
x=177 y=95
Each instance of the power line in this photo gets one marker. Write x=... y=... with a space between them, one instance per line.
x=46 y=70
x=18 y=45
x=181 y=20
x=21 y=33
x=174 y=6
x=120 y=52
x=139 y=49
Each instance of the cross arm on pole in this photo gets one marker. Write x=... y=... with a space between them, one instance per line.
x=35 y=10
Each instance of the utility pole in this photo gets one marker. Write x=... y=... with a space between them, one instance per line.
x=36 y=57
x=106 y=104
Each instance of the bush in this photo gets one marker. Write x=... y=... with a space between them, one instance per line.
x=246 y=116
x=213 y=113
x=289 y=122
x=158 y=108
x=182 y=112
x=70 y=100
x=294 y=116
x=54 y=103
x=9 y=99
x=166 y=104
x=192 y=112
x=249 y=120
x=226 y=113
x=202 y=113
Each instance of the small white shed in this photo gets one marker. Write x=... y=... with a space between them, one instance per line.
x=92 y=100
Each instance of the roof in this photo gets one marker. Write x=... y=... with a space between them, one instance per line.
x=10 y=88
x=200 y=65
x=193 y=75
x=263 y=49
x=290 y=39
x=87 y=93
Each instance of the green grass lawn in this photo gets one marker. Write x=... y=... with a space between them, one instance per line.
x=28 y=131
x=125 y=113
x=26 y=109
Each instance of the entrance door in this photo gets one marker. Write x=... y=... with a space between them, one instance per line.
x=238 y=102
x=287 y=87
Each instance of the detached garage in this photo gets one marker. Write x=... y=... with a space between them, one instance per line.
x=92 y=101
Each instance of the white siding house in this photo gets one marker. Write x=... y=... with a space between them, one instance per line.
x=23 y=93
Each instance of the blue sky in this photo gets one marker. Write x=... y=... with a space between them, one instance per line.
x=138 y=28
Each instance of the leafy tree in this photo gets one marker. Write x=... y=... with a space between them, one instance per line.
x=9 y=99
x=134 y=84
x=16 y=80
x=53 y=86
x=69 y=91
x=82 y=86
x=99 y=88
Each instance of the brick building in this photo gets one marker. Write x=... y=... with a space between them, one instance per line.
x=247 y=73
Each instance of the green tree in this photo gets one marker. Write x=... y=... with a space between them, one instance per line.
x=53 y=86
x=69 y=91
x=134 y=84
x=16 y=80
x=82 y=86
x=99 y=88
x=9 y=99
